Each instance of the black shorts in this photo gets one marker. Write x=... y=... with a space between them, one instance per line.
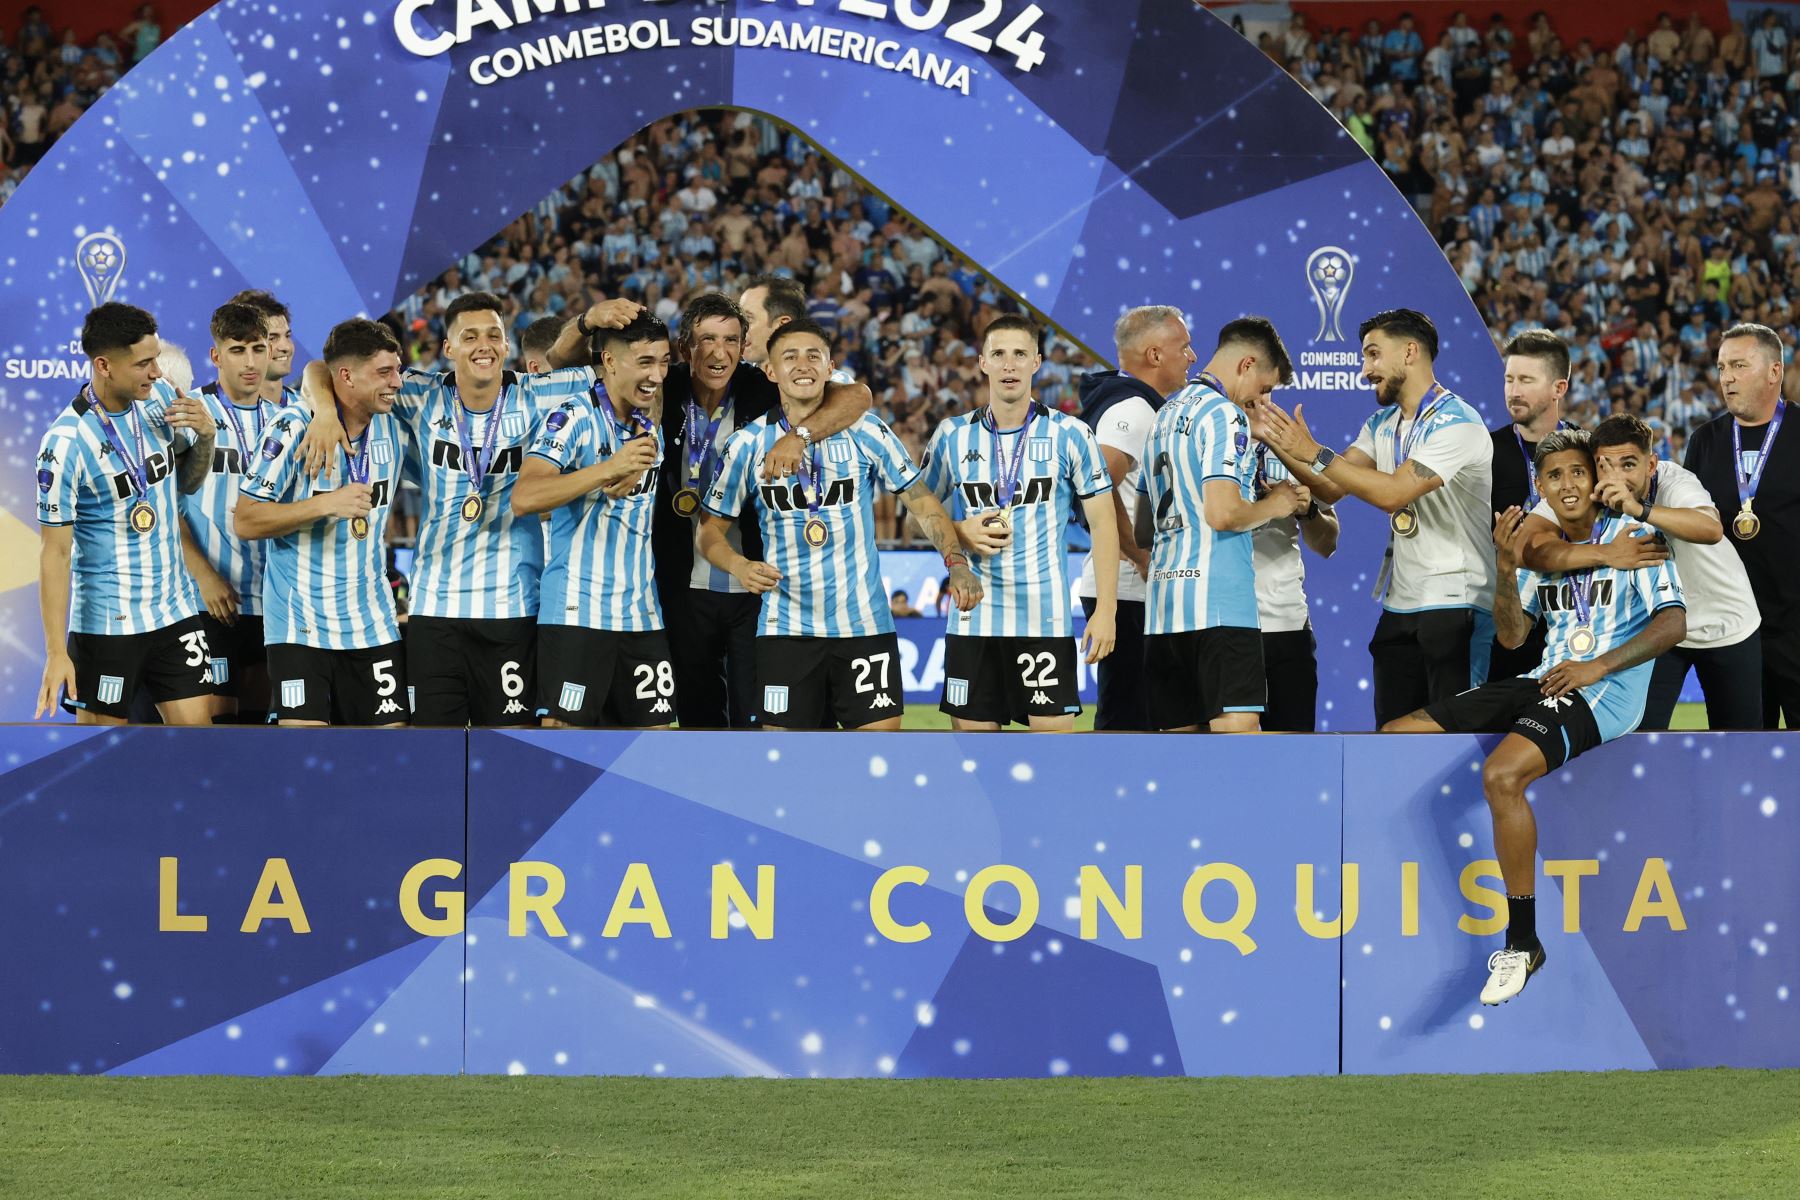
x=1561 y=728
x=822 y=683
x=171 y=663
x=1009 y=679
x=338 y=687
x=1204 y=673
x=472 y=672
x=236 y=650
x=600 y=677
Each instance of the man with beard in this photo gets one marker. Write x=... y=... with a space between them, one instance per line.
x=708 y=397
x=1424 y=459
x=1606 y=624
x=603 y=658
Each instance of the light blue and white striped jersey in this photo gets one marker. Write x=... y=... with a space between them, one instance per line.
x=209 y=511
x=322 y=586
x=1199 y=578
x=602 y=572
x=1620 y=605
x=833 y=591
x=1025 y=586
x=486 y=569
x=121 y=581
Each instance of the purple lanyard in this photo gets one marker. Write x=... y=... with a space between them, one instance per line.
x=1212 y=381
x=1428 y=407
x=476 y=458
x=245 y=448
x=133 y=470
x=813 y=481
x=1746 y=484
x=1531 y=489
x=1006 y=484
x=620 y=429
x=357 y=465
x=1583 y=587
x=699 y=450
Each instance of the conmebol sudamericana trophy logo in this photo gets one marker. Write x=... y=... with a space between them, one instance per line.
x=1328 y=273
x=100 y=257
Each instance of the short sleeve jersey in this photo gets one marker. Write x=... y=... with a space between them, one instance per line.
x=1200 y=577
x=210 y=512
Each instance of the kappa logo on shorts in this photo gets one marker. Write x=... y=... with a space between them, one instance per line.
x=956 y=691
x=293 y=693
x=1039 y=450
x=221 y=671
x=1555 y=702
x=661 y=706
x=386 y=706
x=775 y=699
x=882 y=700
x=1039 y=698
x=572 y=696
x=112 y=689
x=512 y=707
x=512 y=425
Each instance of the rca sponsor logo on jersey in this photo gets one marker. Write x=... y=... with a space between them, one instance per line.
x=980 y=494
x=791 y=496
x=1219 y=901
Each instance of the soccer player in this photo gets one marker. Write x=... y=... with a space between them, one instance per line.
x=1759 y=506
x=1290 y=652
x=228 y=568
x=1537 y=379
x=110 y=581
x=1203 y=648
x=535 y=343
x=826 y=654
x=280 y=325
x=1605 y=626
x=334 y=649
x=711 y=616
x=1722 y=643
x=603 y=658
x=471 y=638
x=1155 y=354
x=1425 y=459
x=1018 y=468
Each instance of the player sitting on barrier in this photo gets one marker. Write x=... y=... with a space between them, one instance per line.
x=1606 y=625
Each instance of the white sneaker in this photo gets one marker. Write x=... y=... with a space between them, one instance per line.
x=1509 y=969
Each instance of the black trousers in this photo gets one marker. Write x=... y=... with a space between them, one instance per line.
x=1290 y=661
x=1780 y=678
x=1420 y=658
x=1122 y=697
x=712 y=644
x=1731 y=677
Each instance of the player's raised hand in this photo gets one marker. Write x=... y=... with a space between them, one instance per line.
x=320 y=443
x=627 y=465
x=59 y=677
x=1100 y=636
x=186 y=412
x=1635 y=546
x=350 y=501
x=983 y=538
x=965 y=589
x=616 y=313
x=1616 y=495
x=757 y=577
x=1509 y=538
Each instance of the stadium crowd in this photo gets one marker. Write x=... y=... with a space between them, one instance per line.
x=1635 y=198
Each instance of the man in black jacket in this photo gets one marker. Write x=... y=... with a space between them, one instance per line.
x=1155 y=356
x=707 y=397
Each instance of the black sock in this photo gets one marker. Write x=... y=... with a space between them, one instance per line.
x=1521 y=923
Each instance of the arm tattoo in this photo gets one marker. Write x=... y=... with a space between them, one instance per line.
x=925 y=508
x=196 y=462
x=1511 y=625
x=1422 y=473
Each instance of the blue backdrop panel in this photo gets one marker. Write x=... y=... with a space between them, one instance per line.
x=827 y=995
x=92 y=985
x=1714 y=993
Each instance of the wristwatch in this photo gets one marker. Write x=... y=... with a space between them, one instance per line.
x=804 y=435
x=1323 y=460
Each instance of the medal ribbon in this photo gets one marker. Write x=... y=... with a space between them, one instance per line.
x=699 y=449
x=1531 y=489
x=1428 y=407
x=1006 y=483
x=246 y=449
x=808 y=480
x=133 y=470
x=1583 y=587
x=621 y=430
x=1746 y=485
x=357 y=465
x=476 y=458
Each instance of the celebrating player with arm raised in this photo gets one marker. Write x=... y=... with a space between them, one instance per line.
x=328 y=613
x=603 y=658
x=1017 y=467
x=1605 y=625
x=826 y=652
x=110 y=577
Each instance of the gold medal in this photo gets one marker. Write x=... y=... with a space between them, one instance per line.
x=359 y=528
x=1405 y=522
x=472 y=509
x=1746 y=524
x=1582 y=641
x=142 y=517
x=1001 y=520
x=686 y=502
x=817 y=533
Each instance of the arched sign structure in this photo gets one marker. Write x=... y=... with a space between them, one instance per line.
x=342 y=153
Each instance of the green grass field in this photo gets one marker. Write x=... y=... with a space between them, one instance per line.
x=927 y=716
x=1674 y=1134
